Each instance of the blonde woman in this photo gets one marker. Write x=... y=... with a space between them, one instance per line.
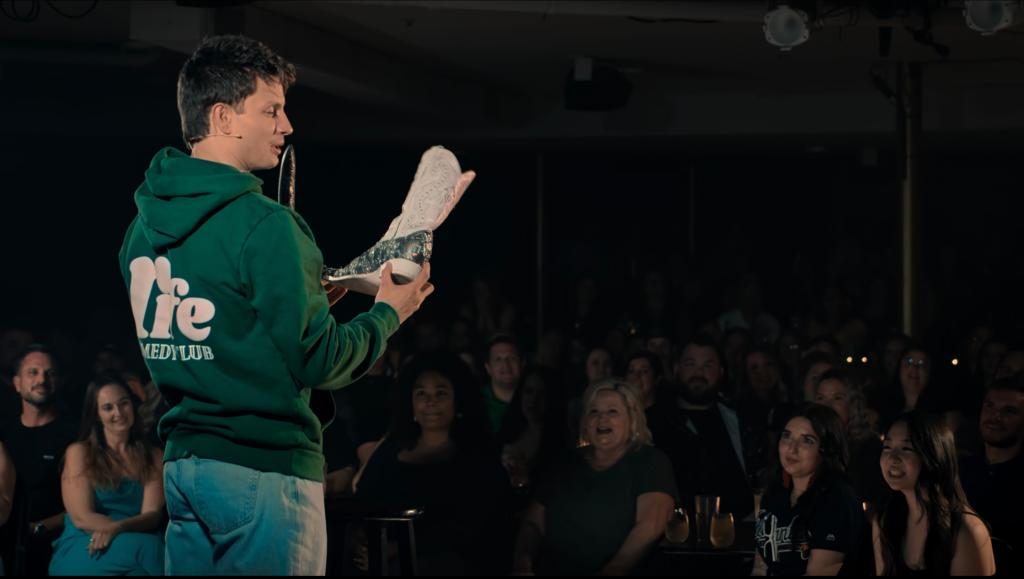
x=605 y=507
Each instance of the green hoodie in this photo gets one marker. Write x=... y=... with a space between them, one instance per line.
x=232 y=319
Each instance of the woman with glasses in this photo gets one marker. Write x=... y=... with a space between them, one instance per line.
x=918 y=390
x=926 y=526
x=811 y=521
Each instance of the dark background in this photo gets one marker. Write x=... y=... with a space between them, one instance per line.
x=80 y=129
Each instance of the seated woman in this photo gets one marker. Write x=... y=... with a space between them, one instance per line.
x=438 y=455
x=7 y=478
x=112 y=485
x=926 y=526
x=532 y=433
x=606 y=506
x=838 y=390
x=811 y=523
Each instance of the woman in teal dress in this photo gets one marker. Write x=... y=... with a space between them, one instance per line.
x=113 y=491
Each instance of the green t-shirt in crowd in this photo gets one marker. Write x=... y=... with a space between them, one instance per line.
x=495 y=408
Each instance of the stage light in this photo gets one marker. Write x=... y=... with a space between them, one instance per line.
x=955 y=362
x=849 y=359
x=989 y=17
x=864 y=360
x=785 y=27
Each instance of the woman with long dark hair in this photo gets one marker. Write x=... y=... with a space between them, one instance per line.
x=926 y=525
x=439 y=456
x=112 y=486
x=811 y=523
x=532 y=433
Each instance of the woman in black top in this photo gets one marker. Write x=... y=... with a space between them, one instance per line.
x=838 y=390
x=926 y=526
x=439 y=456
x=810 y=524
x=604 y=507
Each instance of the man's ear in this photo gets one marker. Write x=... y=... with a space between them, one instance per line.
x=221 y=119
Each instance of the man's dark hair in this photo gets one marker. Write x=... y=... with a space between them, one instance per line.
x=703 y=341
x=32 y=349
x=502 y=339
x=1013 y=383
x=652 y=359
x=224 y=69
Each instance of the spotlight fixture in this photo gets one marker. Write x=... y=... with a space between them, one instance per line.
x=785 y=27
x=989 y=17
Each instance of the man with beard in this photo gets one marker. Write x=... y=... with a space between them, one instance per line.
x=992 y=480
x=36 y=442
x=700 y=434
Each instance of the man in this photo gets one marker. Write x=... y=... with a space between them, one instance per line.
x=36 y=441
x=992 y=480
x=235 y=326
x=700 y=434
x=504 y=367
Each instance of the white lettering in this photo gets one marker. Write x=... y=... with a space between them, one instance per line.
x=190 y=312
x=143 y=274
x=195 y=311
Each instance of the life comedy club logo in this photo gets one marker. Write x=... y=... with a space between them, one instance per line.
x=172 y=306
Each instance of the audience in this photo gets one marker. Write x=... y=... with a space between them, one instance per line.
x=990 y=479
x=533 y=433
x=838 y=390
x=36 y=441
x=438 y=455
x=504 y=367
x=112 y=486
x=716 y=417
x=701 y=435
x=602 y=509
x=811 y=521
x=926 y=525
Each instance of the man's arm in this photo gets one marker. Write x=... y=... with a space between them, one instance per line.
x=280 y=271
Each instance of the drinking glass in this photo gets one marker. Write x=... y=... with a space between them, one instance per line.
x=706 y=505
x=723 y=530
x=678 y=528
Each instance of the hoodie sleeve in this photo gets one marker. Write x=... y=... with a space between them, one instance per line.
x=280 y=269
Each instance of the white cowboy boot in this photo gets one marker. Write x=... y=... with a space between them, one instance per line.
x=408 y=242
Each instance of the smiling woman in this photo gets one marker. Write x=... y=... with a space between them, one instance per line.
x=603 y=509
x=812 y=523
x=113 y=489
x=927 y=525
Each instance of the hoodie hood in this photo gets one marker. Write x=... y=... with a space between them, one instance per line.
x=181 y=192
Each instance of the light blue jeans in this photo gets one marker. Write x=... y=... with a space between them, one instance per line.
x=227 y=519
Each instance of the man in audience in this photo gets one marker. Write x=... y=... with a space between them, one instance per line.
x=504 y=366
x=36 y=442
x=992 y=480
x=700 y=434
